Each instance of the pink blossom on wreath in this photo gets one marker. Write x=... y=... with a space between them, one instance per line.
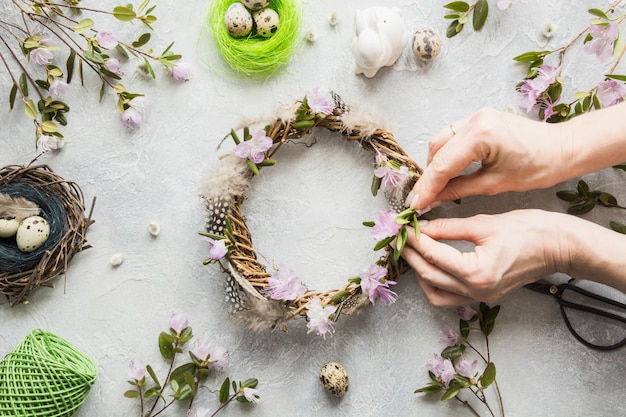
x=254 y=149
x=392 y=178
x=449 y=337
x=465 y=312
x=466 y=368
x=217 y=355
x=443 y=369
x=178 y=322
x=136 y=369
x=318 y=104
x=505 y=4
x=58 y=88
x=373 y=283
x=217 y=247
x=603 y=38
x=181 y=72
x=385 y=225
x=106 y=39
x=318 y=317
x=610 y=92
x=113 y=65
x=286 y=286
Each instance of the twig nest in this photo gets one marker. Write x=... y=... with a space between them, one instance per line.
x=426 y=44
x=256 y=4
x=266 y=22
x=8 y=227
x=334 y=379
x=32 y=233
x=238 y=20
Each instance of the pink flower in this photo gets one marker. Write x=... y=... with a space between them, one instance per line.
x=113 y=65
x=443 y=369
x=254 y=149
x=136 y=369
x=47 y=143
x=532 y=89
x=178 y=322
x=251 y=394
x=465 y=312
x=392 y=178
x=286 y=286
x=41 y=56
x=610 y=92
x=466 y=368
x=217 y=247
x=131 y=118
x=106 y=39
x=385 y=225
x=318 y=104
x=318 y=317
x=217 y=355
x=181 y=72
x=603 y=38
x=448 y=336
x=504 y=4
x=373 y=283
x=58 y=88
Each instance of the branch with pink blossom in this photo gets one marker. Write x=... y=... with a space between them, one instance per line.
x=453 y=372
x=57 y=31
x=184 y=380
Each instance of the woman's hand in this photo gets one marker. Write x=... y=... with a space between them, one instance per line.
x=510 y=250
x=516 y=154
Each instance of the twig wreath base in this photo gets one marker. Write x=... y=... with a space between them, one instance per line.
x=62 y=205
x=224 y=193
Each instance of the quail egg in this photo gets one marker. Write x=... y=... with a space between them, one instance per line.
x=8 y=227
x=334 y=378
x=32 y=233
x=426 y=44
x=266 y=22
x=256 y=4
x=238 y=20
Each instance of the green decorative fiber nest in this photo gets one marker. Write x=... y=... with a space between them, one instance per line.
x=44 y=376
x=255 y=55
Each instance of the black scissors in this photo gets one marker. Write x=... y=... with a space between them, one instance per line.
x=557 y=291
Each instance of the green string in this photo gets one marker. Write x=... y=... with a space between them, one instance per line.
x=44 y=376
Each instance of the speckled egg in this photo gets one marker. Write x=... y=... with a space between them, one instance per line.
x=32 y=233
x=334 y=378
x=426 y=44
x=256 y=4
x=8 y=227
x=238 y=20
x=266 y=22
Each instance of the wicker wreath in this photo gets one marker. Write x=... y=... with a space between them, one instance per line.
x=62 y=204
x=248 y=280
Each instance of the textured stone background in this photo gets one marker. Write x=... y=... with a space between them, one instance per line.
x=305 y=213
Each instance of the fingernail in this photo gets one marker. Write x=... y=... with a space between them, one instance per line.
x=423 y=211
x=409 y=199
x=422 y=223
x=415 y=201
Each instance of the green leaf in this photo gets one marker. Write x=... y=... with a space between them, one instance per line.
x=599 y=13
x=431 y=388
x=416 y=226
x=94 y=57
x=339 y=295
x=83 y=25
x=369 y=223
x=49 y=126
x=186 y=334
x=458 y=6
x=179 y=373
x=616 y=77
x=607 y=200
x=225 y=391
x=152 y=392
x=488 y=319
x=450 y=393
x=581 y=208
x=453 y=28
x=12 y=96
x=69 y=65
x=620 y=166
x=191 y=382
x=23 y=84
x=303 y=124
x=618 y=227
x=131 y=393
x=143 y=5
x=401 y=241
x=143 y=39
x=583 y=188
x=381 y=244
x=376 y=181
x=481 y=10
x=125 y=14
x=153 y=375
x=253 y=167
x=488 y=376
x=568 y=195
x=250 y=383
x=453 y=352
x=30 y=109
x=166 y=345
x=463 y=381
x=464 y=328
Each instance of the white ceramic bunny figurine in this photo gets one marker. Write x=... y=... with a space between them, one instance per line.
x=380 y=37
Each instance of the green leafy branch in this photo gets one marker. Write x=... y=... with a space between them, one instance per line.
x=459 y=14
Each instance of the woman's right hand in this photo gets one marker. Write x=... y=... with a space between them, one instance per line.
x=516 y=154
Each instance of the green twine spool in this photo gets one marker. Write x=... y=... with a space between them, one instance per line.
x=256 y=56
x=44 y=376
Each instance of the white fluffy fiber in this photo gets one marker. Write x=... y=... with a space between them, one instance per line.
x=229 y=178
x=365 y=120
